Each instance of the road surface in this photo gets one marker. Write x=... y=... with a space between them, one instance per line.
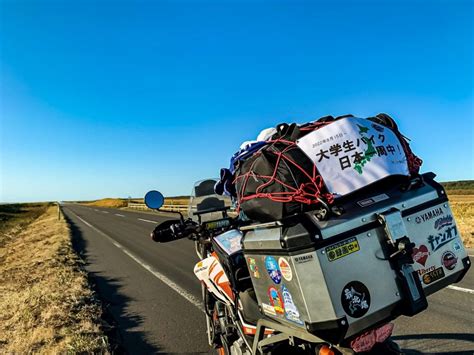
x=153 y=296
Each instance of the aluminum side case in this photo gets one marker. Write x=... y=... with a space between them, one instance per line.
x=339 y=277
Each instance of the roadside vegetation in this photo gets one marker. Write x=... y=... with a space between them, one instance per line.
x=178 y=200
x=461 y=197
x=122 y=202
x=46 y=304
x=108 y=202
x=462 y=187
x=463 y=210
x=14 y=217
x=181 y=200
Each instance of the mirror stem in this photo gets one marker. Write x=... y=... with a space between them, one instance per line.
x=180 y=214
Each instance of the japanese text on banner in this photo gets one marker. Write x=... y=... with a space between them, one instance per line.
x=353 y=152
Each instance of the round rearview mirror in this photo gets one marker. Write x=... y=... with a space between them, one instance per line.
x=154 y=199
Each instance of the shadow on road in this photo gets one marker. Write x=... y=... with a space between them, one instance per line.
x=457 y=343
x=122 y=332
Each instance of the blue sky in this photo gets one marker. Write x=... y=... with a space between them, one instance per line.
x=115 y=98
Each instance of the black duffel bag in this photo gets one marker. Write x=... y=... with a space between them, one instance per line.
x=279 y=179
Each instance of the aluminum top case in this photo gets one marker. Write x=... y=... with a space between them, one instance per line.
x=378 y=256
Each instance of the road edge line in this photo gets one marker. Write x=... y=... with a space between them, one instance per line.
x=147 y=220
x=171 y=284
x=462 y=289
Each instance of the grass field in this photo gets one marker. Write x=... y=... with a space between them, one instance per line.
x=46 y=305
x=121 y=202
x=463 y=210
x=108 y=202
x=13 y=217
x=181 y=200
x=461 y=187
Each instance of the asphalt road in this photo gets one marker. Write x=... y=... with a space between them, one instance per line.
x=153 y=296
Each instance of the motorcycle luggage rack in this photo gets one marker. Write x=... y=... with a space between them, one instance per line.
x=224 y=210
x=286 y=333
x=261 y=225
x=213 y=209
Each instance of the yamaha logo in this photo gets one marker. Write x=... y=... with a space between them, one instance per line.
x=429 y=215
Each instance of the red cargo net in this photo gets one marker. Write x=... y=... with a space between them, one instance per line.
x=310 y=192
x=313 y=190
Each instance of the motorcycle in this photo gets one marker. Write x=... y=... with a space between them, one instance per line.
x=235 y=322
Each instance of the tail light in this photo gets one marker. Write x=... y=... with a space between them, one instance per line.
x=325 y=350
x=384 y=332
x=366 y=341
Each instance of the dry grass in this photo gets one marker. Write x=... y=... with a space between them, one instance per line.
x=461 y=198
x=169 y=200
x=463 y=210
x=46 y=304
x=176 y=201
x=108 y=202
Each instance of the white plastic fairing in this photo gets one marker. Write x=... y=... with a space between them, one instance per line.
x=210 y=272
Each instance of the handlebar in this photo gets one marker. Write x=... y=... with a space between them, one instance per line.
x=174 y=231
x=171 y=230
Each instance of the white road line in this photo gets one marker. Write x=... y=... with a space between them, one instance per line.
x=85 y=222
x=462 y=289
x=189 y=297
x=105 y=212
x=147 y=220
x=96 y=210
x=120 y=215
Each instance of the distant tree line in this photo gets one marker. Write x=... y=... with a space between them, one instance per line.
x=461 y=187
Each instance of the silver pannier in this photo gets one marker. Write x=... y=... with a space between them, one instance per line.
x=377 y=255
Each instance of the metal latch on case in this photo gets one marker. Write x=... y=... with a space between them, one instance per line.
x=400 y=249
x=393 y=224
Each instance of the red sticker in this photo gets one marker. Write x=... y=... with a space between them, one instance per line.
x=420 y=255
x=449 y=260
x=276 y=300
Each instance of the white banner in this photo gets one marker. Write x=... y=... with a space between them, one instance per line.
x=354 y=152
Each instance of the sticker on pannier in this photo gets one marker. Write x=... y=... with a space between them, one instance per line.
x=273 y=269
x=355 y=299
x=276 y=300
x=342 y=249
x=291 y=311
x=352 y=153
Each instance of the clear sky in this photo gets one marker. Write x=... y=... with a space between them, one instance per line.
x=113 y=98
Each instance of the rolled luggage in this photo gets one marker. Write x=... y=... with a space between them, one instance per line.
x=301 y=168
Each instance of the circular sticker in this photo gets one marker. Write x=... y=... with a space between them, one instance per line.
x=427 y=279
x=355 y=299
x=273 y=270
x=285 y=269
x=457 y=246
x=276 y=300
x=449 y=260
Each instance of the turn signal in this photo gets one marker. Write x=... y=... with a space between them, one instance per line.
x=325 y=350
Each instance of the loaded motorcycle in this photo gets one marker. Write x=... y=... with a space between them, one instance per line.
x=326 y=283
